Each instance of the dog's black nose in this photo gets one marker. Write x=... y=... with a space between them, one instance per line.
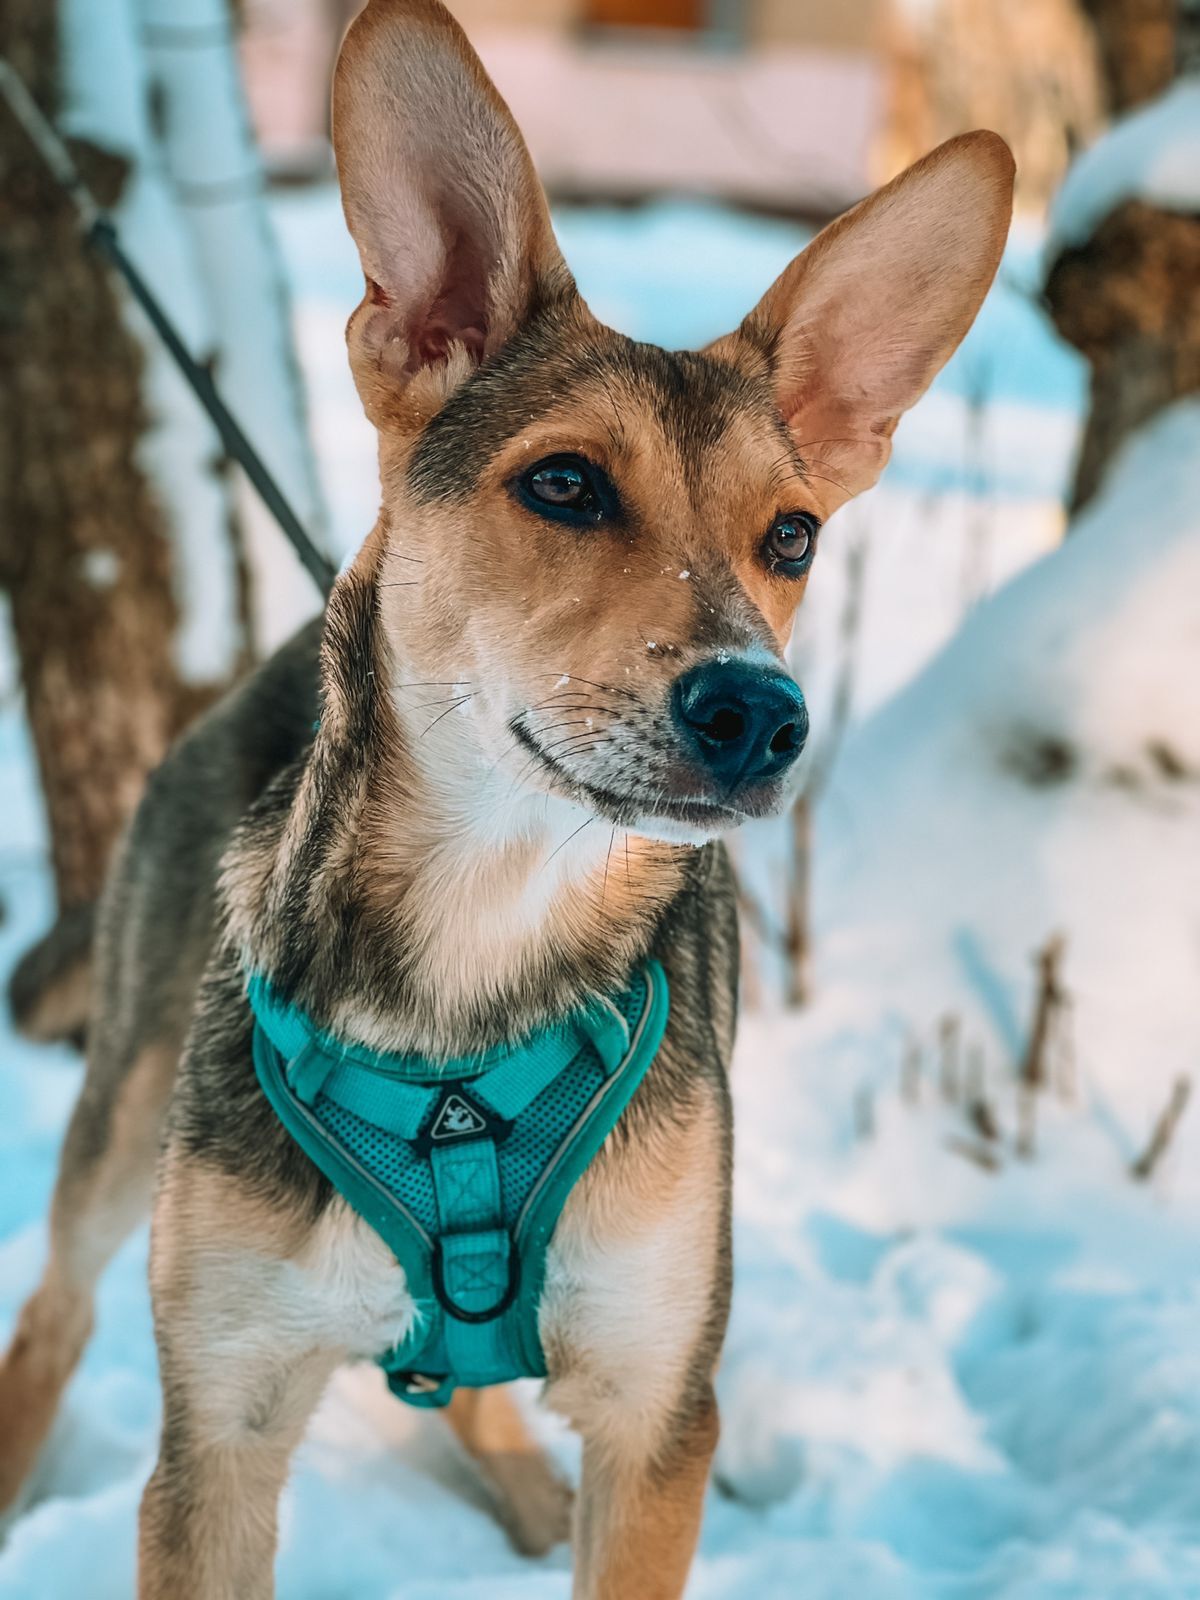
x=745 y=723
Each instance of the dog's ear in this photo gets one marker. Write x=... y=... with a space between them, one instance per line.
x=855 y=330
x=439 y=192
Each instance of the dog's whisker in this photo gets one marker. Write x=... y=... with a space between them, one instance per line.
x=575 y=722
x=607 y=858
x=586 y=823
x=454 y=704
x=826 y=477
x=427 y=705
x=549 y=705
x=608 y=688
x=807 y=443
x=576 y=743
x=549 y=711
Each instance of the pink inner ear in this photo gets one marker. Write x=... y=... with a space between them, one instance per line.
x=434 y=341
x=457 y=312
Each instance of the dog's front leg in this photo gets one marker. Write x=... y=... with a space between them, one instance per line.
x=639 y=1513
x=632 y=1325
x=241 y=1374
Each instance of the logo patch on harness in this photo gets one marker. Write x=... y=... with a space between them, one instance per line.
x=456 y=1119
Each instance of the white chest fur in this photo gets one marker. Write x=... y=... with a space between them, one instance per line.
x=347 y=1287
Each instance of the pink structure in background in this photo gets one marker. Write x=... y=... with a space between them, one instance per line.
x=288 y=49
x=614 y=114
x=787 y=129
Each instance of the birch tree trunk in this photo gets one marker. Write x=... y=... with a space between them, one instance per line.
x=216 y=181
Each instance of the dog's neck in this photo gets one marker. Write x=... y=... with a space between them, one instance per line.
x=410 y=895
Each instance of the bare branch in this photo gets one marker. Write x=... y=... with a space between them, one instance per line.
x=948 y=1037
x=1050 y=998
x=910 y=1073
x=981 y=1154
x=1164 y=1130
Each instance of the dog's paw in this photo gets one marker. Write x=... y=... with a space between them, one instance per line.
x=533 y=1503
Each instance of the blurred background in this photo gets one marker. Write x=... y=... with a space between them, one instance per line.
x=964 y=1358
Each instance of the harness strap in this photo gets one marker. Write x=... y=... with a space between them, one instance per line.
x=379 y=1092
x=477 y=1275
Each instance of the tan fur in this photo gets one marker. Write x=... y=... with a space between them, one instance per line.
x=49 y=1339
x=95 y=1207
x=207 y=1524
x=639 y=1524
x=238 y=1392
x=532 y=1501
x=641 y=1230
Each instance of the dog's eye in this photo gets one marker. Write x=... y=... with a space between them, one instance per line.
x=568 y=489
x=791 y=543
x=561 y=483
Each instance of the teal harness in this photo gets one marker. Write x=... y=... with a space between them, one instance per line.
x=463 y=1170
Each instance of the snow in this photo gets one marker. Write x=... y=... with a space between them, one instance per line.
x=1057 y=738
x=1152 y=154
x=941 y=1382
x=995 y=1374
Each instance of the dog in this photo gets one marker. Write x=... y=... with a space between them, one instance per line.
x=489 y=784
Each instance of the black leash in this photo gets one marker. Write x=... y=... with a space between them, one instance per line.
x=100 y=232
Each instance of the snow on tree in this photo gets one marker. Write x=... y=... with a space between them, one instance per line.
x=216 y=178
x=1123 y=256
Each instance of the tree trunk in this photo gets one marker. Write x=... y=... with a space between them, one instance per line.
x=1136 y=41
x=1028 y=70
x=1129 y=299
x=85 y=556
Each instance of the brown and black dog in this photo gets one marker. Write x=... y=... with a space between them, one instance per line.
x=553 y=671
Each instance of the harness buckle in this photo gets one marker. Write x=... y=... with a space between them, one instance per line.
x=422 y=1389
x=418 y=1382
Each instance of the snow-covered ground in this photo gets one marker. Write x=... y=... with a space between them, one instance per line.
x=943 y=1381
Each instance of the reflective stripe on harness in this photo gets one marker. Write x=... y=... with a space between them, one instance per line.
x=464 y=1169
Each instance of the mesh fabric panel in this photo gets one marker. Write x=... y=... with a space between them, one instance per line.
x=523 y=1155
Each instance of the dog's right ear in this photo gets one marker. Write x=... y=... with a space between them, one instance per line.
x=440 y=195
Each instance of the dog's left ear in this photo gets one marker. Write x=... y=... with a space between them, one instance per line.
x=440 y=194
x=855 y=330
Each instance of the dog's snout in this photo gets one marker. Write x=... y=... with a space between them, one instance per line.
x=744 y=722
